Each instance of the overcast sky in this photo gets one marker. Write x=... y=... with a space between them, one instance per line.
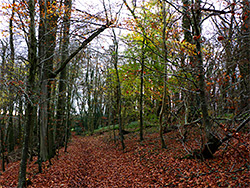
x=96 y=6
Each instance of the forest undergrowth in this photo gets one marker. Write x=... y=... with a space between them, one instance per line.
x=96 y=161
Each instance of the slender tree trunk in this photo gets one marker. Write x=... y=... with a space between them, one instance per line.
x=227 y=90
x=31 y=79
x=164 y=97
x=10 y=131
x=118 y=90
x=2 y=143
x=191 y=99
x=39 y=161
x=141 y=89
x=43 y=123
x=2 y=115
x=186 y=21
x=12 y=49
x=88 y=94
x=11 y=143
x=43 y=103
x=20 y=120
x=68 y=122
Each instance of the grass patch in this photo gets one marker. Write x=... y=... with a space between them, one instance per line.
x=107 y=128
x=134 y=126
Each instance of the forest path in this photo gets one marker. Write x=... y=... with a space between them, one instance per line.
x=107 y=166
x=91 y=161
x=96 y=161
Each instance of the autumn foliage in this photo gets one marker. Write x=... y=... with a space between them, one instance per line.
x=96 y=161
x=169 y=72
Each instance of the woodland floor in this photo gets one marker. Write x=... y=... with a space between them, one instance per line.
x=96 y=161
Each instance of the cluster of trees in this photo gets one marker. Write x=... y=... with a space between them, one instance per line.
x=197 y=72
x=178 y=70
x=38 y=69
x=182 y=63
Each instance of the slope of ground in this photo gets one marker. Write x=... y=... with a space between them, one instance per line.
x=96 y=161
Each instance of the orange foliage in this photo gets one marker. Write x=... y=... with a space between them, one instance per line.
x=95 y=161
x=220 y=38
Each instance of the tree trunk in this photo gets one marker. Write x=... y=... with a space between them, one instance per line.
x=44 y=122
x=48 y=29
x=2 y=127
x=118 y=90
x=43 y=153
x=68 y=122
x=141 y=89
x=211 y=144
x=20 y=121
x=11 y=143
x=244 y=63
x=164 y=97
x=189 y=103
x=2 y=142
x=61 y=105
x=10 y=130
x=31 y=79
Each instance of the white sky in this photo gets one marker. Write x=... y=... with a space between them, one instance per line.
x=96 y=6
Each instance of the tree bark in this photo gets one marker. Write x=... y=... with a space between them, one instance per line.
x=31 y=82
x=244 y=63
x=118 y=90
x=141 y=89
x=164 y=97
x=2 y=150
x=61 y=105
x=48 y=41
x=211 y=141
x=68 y=122
x=10 y=130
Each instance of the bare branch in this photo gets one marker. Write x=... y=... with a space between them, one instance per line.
x=83 y=45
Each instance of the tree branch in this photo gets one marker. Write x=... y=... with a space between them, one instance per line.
x=216 y=12
x=83 y=45
x=228 y=136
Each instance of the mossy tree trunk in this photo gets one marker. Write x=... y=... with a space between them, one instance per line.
x=211 y=142
x=164 y=96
